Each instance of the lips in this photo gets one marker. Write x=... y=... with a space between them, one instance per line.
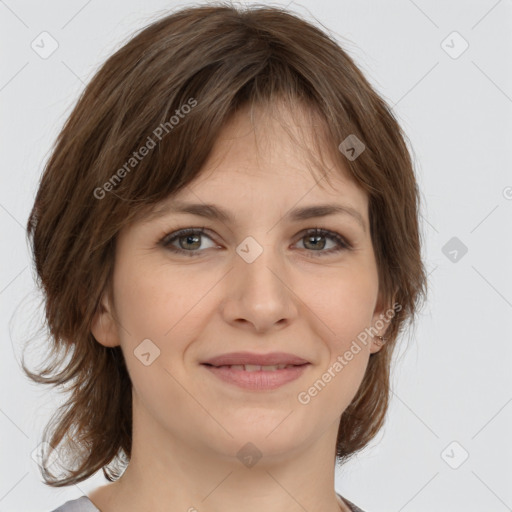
x=251 y=361
x=257 y=372
x=255 y=377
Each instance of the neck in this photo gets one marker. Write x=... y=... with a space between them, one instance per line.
x=167 y=472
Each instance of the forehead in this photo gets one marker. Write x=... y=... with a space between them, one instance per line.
x=268 y=157
x=275 y=143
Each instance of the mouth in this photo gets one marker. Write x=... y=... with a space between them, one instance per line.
x=256 y=371
x=254 y=377
x=253 y=360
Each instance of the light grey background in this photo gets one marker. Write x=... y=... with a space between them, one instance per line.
x=453 y=383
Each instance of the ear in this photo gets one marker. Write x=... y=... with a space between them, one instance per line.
x=381 y=319
x=104 y=326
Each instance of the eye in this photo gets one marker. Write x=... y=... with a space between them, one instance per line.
x=313 y=239
x=189 y=241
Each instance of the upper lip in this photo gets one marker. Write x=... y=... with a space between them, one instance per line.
x=243 y=358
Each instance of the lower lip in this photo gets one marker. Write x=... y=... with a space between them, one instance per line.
x=259 y=380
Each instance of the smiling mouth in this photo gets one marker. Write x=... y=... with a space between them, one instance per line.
x=255 y=377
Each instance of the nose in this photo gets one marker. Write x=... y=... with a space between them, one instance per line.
x=259 y=296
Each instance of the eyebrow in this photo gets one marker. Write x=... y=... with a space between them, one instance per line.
x=215 y=212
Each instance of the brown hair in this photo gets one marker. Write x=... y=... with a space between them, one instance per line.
x=216 y=59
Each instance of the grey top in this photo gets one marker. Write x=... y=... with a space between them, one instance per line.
x=84 y=504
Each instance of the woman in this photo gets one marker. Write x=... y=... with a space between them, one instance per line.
x=227 y=238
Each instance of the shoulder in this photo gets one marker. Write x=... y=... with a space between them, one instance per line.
x=82 y=504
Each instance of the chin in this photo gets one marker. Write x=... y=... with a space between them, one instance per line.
x=253 y=448
x=274 y=435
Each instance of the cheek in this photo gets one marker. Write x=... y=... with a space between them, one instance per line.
x=159 y=315
x=345 y=314
x=344 y=308
x=344 y=302
x=162 y=305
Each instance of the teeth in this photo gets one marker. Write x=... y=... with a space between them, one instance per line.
x=256 y=368
x=251 y=367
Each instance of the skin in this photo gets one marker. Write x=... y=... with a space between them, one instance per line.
x=295 y=297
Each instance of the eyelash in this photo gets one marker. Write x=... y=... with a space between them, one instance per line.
x=343 y=244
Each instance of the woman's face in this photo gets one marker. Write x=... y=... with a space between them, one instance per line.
x=257 y=281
